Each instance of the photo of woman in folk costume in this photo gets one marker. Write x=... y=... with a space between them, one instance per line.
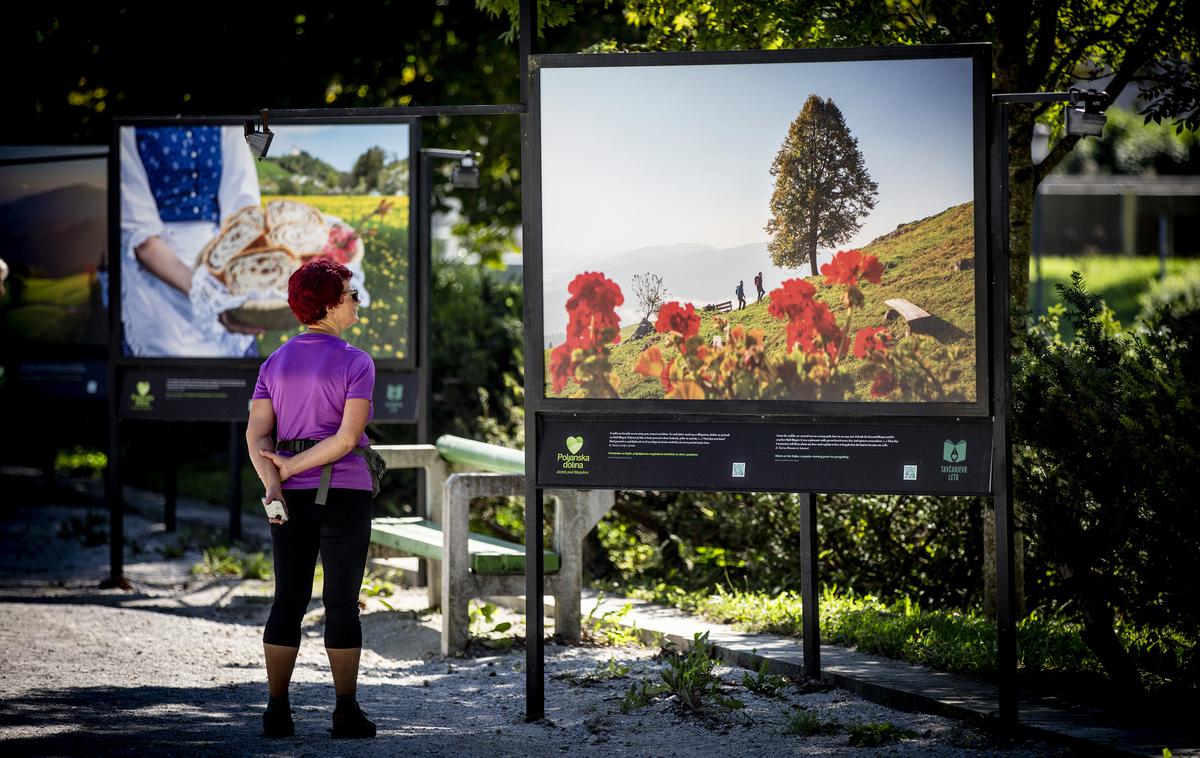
x=178 y=185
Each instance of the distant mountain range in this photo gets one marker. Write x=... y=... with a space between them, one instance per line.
x=692 y=272
x=56 y=233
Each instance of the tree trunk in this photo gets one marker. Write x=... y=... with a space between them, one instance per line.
x=989 y=559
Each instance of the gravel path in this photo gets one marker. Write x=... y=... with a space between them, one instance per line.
x=175 y=667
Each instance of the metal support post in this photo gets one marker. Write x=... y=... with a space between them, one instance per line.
x=808 y=586
x=170 y=489
x=114 y=494
x=424 y=261
x=535 y=629
x=236 y=443
x=535 y=692
x=1006 y=590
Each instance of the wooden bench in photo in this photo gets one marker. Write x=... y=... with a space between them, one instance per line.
x=900 y=307
x=465 y=565
x=724 y=307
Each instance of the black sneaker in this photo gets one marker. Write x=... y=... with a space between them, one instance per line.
x=351 y=723
x=277 y=722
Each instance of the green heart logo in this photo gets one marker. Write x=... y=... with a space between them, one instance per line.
x=143 y=388
x=574 y=444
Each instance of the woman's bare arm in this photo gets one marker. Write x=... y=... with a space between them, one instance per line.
x=330 y=449
x=259 y=429
x=160 y=259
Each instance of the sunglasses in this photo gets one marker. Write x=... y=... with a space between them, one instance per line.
x=352 y=293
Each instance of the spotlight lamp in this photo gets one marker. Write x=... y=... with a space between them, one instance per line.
x=259 y=140
x=1085 y=113
x=466 y=173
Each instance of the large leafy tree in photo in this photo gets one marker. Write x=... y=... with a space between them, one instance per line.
x=822 y=187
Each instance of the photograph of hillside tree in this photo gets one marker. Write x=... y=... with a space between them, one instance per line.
x=889 y=318
x=822 y=188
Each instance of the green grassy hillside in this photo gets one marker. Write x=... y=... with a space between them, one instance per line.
x=919 y=261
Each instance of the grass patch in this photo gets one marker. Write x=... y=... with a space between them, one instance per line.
x=769 y=685
x=640 y=694
x=809 y=724
x=689 y=677
x=604 y=672
x=607 y=628
x=224 y=561
x=874 y=734
x=956 y=641
x=1120 y=280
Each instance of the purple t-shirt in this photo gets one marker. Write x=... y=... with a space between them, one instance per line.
x=308 y=381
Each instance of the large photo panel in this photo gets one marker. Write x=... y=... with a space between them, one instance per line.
x=53 y=252
x=774 y=230
x=209 y=235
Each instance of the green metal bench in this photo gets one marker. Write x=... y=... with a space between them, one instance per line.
x=422 y=538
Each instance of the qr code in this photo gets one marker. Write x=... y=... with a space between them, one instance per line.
x=739 y=470
x=910 y=473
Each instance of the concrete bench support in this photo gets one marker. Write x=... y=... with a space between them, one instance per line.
x=423 y=457
x=575 y=513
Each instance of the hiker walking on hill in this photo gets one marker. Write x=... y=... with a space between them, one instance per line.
x=740 y=291
x=759 y=287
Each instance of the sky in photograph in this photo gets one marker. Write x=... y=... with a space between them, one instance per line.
x=644 y=156
x=340 y=145
x=25 y=180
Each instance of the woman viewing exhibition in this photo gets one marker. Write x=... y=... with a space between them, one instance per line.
x=315 y=392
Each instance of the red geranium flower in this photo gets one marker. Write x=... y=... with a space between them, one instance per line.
x=592 y=310
x=815 y=321
x=870 y=340
x=791 y=298
x=848 y=265
x=674 y=318
x=560 y=366
x=885 y=382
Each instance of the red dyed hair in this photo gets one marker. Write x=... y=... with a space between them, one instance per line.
x=316 y=287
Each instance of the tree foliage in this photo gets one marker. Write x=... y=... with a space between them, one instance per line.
x=1132 y=145
x=367 y=169
x=822 y=188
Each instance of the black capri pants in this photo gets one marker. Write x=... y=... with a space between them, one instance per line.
x=340 y=531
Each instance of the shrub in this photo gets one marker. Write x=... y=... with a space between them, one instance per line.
x=927 y=548
x=476 y=354
x=1107 y=442
x=223 y=561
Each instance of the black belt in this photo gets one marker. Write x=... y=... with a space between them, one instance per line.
x=299 y=446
